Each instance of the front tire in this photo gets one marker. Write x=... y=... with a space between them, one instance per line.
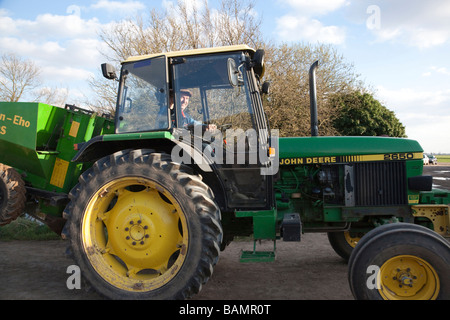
x=400 y=262
x=142 y=227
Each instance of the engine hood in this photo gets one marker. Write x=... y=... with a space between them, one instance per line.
x=300 y=147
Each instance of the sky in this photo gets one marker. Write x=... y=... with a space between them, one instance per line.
x=400 y=48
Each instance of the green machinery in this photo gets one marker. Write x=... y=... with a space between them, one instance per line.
x=38 y=141
x=191 y=163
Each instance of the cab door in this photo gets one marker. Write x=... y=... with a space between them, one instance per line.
x=229 y=122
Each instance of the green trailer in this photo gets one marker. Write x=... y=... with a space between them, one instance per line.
x=36 y=146
x=190 y=163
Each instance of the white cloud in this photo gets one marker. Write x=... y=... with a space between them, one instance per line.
x=297 y=28
x=191 y=5
x=416 y=23
x=437 y=71
x=65 y=47
x=441 y=70
x=65 y=73
x=309 y=7
x=423 y=113
x=126 y=8
x=302 y=24
x=405 y=99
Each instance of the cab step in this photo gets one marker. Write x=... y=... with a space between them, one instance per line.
x=258 y=256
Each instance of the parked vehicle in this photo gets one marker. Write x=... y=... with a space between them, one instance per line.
x=432 y=159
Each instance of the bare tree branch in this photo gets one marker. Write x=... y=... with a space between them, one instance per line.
x=17 y=77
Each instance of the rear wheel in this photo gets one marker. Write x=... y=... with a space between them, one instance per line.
x=142 y=227
x=401 y=262
x=12 y=194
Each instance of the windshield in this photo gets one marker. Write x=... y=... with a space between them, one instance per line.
x=205 y=96
x=143 y=97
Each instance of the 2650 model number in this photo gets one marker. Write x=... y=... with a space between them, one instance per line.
x=399 y=156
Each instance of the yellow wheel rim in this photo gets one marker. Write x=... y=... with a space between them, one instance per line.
x=135 y=234
x=408 y=277
x=351 y=240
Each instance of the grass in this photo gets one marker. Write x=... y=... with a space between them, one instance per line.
x=25 y=229
x=443 y=158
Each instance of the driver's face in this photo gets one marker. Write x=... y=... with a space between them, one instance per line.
x=184 y=101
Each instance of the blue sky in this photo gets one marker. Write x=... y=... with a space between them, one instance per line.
x=400 y=48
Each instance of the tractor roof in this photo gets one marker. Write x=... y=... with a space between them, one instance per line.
x=174 y=54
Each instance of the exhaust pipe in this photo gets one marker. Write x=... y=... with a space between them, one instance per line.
x=313 y=99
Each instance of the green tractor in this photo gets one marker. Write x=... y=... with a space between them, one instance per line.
x=191 y=163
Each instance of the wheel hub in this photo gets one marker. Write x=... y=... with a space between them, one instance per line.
x=408 y=277
x=352 y=239
x=405 y=278
x=136 y=232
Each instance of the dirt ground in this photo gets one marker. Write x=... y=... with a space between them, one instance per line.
x=309 y=270
x=306 y=270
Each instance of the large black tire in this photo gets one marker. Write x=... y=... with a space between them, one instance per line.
x=400 y=262
x=142 y=227
x=343 y=243
x=12 y=194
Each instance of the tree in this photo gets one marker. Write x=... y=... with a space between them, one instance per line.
x=288 y=104
x=182 y=26
x=195 y=24
x=51 y=95
x=20 y=79
x=360 y=114
x=17 y=77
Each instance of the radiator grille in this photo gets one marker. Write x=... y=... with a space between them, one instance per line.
x=380 y=183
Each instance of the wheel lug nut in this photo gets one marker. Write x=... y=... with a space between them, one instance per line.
x=134 y=243
x=142 y=242
x=139 y=221
x=128 y=238
x=147 y=236
x=145 y=227
x=127 y=229
x=131 y=222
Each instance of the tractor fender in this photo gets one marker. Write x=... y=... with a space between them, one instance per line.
x=98 y=148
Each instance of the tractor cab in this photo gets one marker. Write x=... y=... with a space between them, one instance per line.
x=209 y=100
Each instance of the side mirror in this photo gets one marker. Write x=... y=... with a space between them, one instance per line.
x=265 y=87
x=109 y=72
x=258 y=62
x=234 y=75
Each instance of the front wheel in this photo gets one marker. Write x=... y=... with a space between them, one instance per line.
x=400 y=262
x=142 y=227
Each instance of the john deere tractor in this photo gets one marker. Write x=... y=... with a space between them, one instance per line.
x=192 y=163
